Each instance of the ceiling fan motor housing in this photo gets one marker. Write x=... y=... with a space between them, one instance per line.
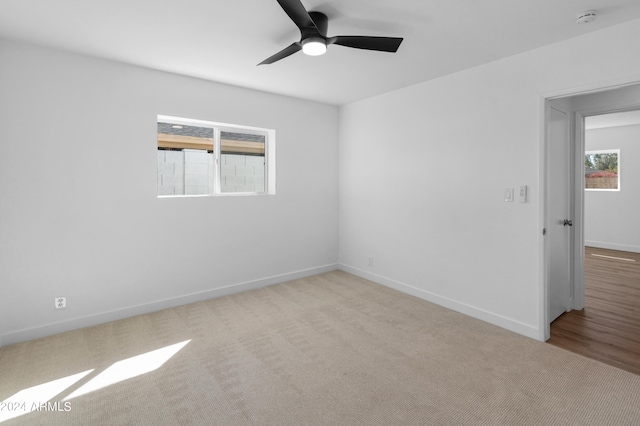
x=322 y=24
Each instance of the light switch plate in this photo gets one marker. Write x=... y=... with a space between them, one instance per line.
x=508 y=195
x=523 y=194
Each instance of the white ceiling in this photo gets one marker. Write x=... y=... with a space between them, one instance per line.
x=626 y=118
x=224 y=40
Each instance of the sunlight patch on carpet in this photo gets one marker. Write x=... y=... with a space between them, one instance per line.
x=129 y=368
x=31 y=399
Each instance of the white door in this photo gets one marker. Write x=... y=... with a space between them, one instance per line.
x=559 y=223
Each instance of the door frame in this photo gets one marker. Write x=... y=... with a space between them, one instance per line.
x=576 y=192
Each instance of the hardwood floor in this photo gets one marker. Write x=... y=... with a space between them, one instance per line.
x=608 y=329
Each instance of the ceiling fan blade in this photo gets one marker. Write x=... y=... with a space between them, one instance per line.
x=287 y=51
x=298 y=14
x=383 y=44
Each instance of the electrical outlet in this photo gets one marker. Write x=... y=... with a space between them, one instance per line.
x=60 y=302
x=370 y=261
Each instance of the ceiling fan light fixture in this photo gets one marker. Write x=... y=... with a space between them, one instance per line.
x=314 y=46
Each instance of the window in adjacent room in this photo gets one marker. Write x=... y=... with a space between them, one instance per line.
x=205 y=158
x=602 y=170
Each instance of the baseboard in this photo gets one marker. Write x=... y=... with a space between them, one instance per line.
x=104 y=317
x=612 y=246
x=472 y=311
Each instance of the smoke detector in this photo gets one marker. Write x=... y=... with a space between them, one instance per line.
x=586 y=17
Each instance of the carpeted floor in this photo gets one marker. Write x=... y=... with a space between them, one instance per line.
x=332 y=349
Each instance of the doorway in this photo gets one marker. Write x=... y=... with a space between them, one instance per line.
x=577 y=106
x=587 y=279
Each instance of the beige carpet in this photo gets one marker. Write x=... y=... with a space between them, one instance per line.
x=331 y=349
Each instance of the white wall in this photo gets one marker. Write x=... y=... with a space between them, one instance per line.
x=442 y=232
x=77 y=219
x=611 y=217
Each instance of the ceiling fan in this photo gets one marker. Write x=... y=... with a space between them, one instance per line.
x=313 y=35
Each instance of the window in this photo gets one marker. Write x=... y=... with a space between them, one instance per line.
x=601 y=170
x=198 y=158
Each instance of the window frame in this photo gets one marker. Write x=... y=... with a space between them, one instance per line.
x=218 y=129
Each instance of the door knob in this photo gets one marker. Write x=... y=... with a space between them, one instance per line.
x=567 y=222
